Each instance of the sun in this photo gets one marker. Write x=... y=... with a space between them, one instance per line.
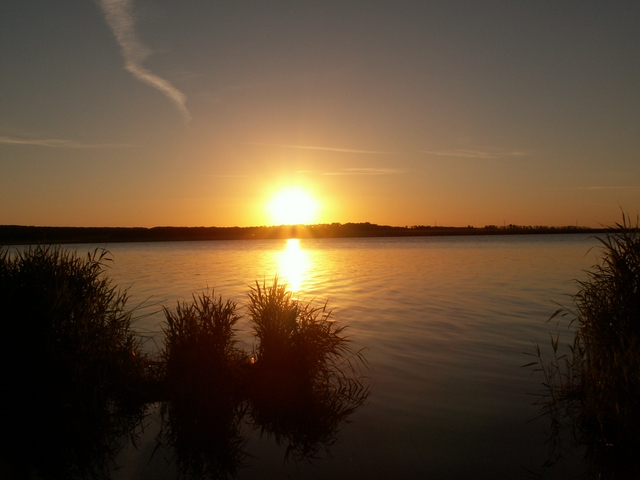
x=292 y=206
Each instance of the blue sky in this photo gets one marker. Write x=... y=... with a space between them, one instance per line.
x=154 y=112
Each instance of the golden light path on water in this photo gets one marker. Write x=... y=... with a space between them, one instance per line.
x=293 y=263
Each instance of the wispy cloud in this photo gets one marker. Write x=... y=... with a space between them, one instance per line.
x=366 y=171
x=606 y=187
x=222 y=175
x=479 y=153
x=325 y=149
x=57 y=143
x=463 y=153
x=119 y=16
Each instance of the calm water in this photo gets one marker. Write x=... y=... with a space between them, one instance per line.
x=445 y=322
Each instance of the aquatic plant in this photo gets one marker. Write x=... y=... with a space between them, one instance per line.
x=306 y=379
x=299 y=386
x=69 y=362
x=200 y=344
x=593 y=390
x=203 y=378
x=74 y=372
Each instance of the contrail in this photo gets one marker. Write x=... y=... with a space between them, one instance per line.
x=120 y=18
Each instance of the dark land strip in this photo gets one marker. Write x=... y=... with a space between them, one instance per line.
x=21 y=235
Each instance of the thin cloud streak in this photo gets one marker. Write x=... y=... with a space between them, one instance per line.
x=58 y=143
x=603 y=187
x=222 y=175
x=326 y=149
x=463 y=153
x=483 y=154
x=120 y=19
x=366 y=171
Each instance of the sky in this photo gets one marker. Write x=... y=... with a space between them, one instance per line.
x=157 y=112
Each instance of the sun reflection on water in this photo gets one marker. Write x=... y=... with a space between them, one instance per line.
x=293 y=264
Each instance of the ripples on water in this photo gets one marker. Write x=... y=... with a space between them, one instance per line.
x=445 y=322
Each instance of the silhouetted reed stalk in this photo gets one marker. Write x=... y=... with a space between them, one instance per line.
x=593 y=391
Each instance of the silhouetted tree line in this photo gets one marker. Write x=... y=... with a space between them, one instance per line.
x=18 y=234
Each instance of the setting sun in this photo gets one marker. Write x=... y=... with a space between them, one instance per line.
x=292 y=206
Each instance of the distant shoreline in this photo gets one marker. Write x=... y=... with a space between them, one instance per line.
x=25 y=235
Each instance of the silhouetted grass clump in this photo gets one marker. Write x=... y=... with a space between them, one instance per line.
x=76 y=384
x=304 y=369
x=300 y=384
x=298 y=343
x=200 y=344
x=594 y=390
x=68 y=360
x=204 y=376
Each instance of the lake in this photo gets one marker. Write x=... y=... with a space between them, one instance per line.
x=445 y=322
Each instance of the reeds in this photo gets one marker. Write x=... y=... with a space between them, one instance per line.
x=68 y=360
x=593 y=391
x=306 y=379
x=73 y=371
x=300 y=345
x=299 y=385
x=200 y=346
x=204 y=373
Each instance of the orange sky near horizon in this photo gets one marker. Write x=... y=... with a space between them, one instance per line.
x=457 y=113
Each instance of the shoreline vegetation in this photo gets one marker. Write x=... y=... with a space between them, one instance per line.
x=78 y=384
x=591 y=387
x=21 y=235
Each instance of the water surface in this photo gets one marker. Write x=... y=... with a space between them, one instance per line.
x=444 y=321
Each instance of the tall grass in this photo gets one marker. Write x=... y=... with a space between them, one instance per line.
x=68 y=360
x=297 y=341
x=76 y=383
x=306 y=379
x=200 y=344
x=593 y=391
x=300 y=384
x=204 y=376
